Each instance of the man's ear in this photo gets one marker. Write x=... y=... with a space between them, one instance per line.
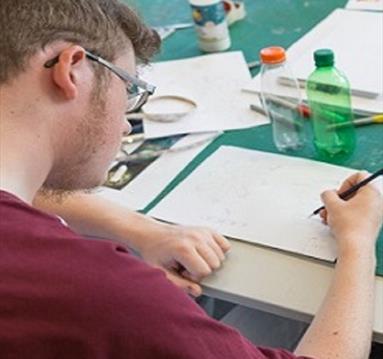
x=63 y=71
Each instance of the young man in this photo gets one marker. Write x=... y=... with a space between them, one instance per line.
x=65 y=296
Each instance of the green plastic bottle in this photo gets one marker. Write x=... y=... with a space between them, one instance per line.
x=328 y=92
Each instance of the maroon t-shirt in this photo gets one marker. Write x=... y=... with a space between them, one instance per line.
x=65 y=296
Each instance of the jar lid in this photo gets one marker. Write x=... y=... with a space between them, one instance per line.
x=273 y=55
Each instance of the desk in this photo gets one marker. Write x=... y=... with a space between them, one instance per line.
x=253 y=276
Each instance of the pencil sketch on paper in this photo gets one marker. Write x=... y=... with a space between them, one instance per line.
x=257 y=197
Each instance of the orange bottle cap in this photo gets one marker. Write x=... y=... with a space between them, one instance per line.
x=273 y=55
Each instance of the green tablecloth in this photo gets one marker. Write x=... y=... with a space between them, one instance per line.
x=268 y=22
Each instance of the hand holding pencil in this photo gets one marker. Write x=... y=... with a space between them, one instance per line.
x=350 y=191
x=355 y=223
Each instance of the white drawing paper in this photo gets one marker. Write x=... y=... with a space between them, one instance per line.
x=257 y=197
x=370 y=5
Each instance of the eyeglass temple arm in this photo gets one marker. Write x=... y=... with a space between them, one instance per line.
x=119 y=72
x=122 y=74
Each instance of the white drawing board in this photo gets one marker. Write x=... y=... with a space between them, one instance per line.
x=257 y=197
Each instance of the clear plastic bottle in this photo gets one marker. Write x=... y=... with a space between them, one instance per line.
x=328 y=92
x=281 y=103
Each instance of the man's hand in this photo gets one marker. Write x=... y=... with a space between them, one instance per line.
x=355 y=222
x=186 y=254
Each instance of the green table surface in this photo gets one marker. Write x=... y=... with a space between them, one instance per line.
x=268 y=22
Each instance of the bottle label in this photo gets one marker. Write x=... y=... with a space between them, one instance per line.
x=210 y=22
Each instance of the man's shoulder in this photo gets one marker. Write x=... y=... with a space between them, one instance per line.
x=34 y=243
x=17 y=216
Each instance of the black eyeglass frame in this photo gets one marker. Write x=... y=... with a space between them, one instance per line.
x=123 y=75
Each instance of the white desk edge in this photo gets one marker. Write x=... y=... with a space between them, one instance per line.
x=278 y=282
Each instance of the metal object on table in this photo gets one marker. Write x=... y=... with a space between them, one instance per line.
x=254 y=64
x=129 y=158
x=167 y=30
x=169 y=115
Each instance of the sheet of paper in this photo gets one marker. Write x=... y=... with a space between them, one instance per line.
x=356 y=38
x=257 y=197
x=371 y=5
x=214 y=82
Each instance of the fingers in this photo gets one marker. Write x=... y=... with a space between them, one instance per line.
x=216 y=242
x=330 y=199
x=198 y=250
x=199 y=261
x=222 y=242
x=212 y=244
x=368 y=191
x=209 y=256
x=323 y=215
x=352 y=181
x=212 y=248
x=194 y=263
x=185 y=284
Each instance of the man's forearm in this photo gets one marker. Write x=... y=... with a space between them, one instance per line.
x=343 y=326
x=92 y=215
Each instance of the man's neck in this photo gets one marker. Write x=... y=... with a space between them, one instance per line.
x=25 y=156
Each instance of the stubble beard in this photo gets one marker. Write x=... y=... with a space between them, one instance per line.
x=75 y=173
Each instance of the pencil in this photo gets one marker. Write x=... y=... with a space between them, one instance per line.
x=358 y=122
x=347 y=194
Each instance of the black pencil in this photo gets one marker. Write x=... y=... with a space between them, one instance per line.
x=347 y=194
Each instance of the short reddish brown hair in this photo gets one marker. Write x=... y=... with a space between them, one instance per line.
x=101 y=26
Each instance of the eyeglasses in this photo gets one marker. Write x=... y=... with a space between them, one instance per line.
x=138 y=90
